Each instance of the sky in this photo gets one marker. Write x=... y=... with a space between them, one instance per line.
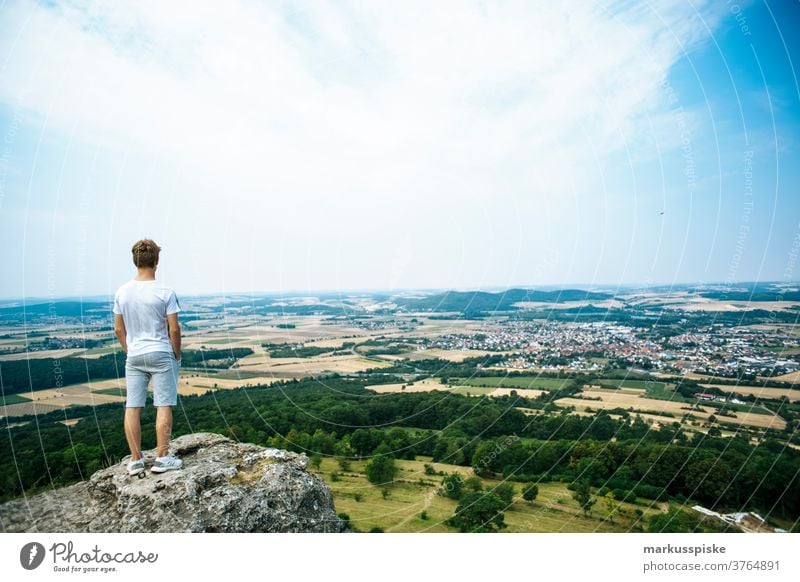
x=310 y=146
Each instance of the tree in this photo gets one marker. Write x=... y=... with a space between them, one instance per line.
x=583 y=495
x=675 y=520
x=381 y=469
x=505 y=491
x=315 y=461
x=452 y=486
x=530 y=492
x=479 y=512
x=609 y=499
x=473 y=484
x=484 y=456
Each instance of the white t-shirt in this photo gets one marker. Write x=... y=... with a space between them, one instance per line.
x=144 y=305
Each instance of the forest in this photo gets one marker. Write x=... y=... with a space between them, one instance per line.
x=339 y=417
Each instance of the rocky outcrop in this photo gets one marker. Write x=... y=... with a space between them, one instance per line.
x=224 y=486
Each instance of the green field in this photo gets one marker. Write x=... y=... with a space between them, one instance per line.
x=640 y=384
x=99 y=351
x=534 y=382
x=473 y=390
x=9 y=399
x=736 y=407
x=652 y=388
x=237 y=374
x=112 y=391
x=553 y=511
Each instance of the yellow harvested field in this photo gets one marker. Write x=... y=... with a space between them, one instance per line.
x=41 y=354
x=761 y=391
x=74 y=390
x=210 y=382
x=794 y=378
x=44 y=401
x=77 y=394
x=189 y=390
x=524 y=392
x=88 y=399
x=26 y=408
x=608 y=399
x=301 y=367
x=426 y=385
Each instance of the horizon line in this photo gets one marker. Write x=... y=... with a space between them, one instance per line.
x=295 y=292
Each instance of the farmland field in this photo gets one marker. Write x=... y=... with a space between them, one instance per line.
x=535 y=382
x=429 y=384
x=524 y=392
x=794 y=378
x=414 y=492
x=425 y=385
x=8 y=399
x=640 y=384
x=473 y=390
x=609 y=398
x=38 y=354
x=760 y=391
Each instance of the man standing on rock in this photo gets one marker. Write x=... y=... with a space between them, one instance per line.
x=146 y=325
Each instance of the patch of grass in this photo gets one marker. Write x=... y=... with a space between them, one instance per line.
x=472 y=390
x=535 y=382
x=735 y=407
x=10 y=399
x=238 y=374
x=640 y=384
x=98 y=351
x=112 y=391
x=402 y=511
x=652 y=389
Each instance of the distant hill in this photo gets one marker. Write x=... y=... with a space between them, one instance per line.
x=475 y=301
x=752 y=295
x=57 y=309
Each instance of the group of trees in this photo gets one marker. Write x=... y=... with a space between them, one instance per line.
x=478 y=510
x=20 y=376
x=331 y=419
x=302 y=351
x=202 y=356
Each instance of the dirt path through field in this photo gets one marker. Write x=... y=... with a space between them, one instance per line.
x=425 y=505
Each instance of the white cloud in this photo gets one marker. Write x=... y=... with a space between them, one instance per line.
x=468 y=103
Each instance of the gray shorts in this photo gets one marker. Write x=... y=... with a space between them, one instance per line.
x=163 y=368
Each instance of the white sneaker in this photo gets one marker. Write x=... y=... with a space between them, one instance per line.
x=163 y=464
x=135 y=467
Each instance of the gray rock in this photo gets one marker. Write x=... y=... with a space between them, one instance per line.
x=224 y=486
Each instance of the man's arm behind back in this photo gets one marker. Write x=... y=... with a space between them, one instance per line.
x=174 y=330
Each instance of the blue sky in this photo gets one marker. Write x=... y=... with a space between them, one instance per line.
x=358 y=145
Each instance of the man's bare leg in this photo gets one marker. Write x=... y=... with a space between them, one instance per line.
x=133 y=432
x=163 y=429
